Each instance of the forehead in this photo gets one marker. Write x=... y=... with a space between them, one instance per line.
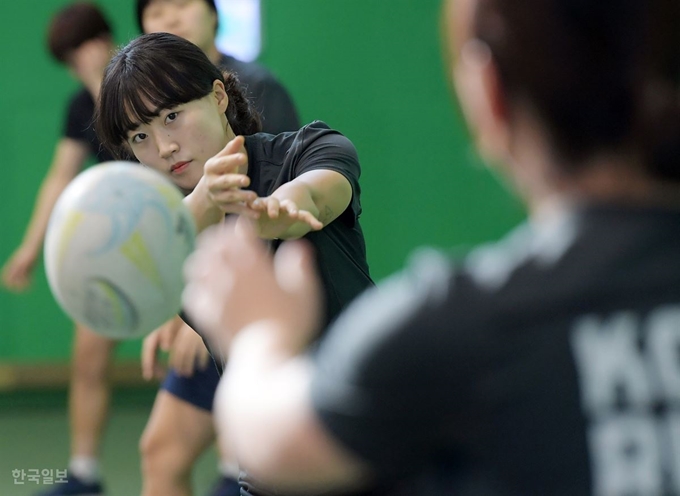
x=139 y=110
x=157 y=4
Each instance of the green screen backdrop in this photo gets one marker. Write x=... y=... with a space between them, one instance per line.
x=370 y=68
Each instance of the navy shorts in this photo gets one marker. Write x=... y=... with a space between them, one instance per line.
x=199 y=389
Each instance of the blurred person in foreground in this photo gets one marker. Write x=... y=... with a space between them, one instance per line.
x=546 y=364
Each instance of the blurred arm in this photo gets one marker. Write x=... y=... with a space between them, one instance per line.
x=279 y=440
x=68 y=160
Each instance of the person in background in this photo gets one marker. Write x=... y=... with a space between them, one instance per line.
x=79 y=37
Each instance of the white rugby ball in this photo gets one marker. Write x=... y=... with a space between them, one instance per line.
x=114 y=249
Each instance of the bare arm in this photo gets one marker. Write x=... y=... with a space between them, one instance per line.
x=309 y=202
x=69 y=158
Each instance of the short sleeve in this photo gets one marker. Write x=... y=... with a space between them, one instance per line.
x=78 y=119
x=321 y=148
x=385 y=371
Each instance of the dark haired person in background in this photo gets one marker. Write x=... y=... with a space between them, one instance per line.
x=79 y=36
x=203 y=135
x=544 y=365
x=190 y=383
x=197 y=21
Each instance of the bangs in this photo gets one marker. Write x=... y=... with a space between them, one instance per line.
x=141 y=82
x=142 y=94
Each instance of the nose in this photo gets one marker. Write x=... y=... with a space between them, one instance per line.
x=171 y=19
x=167 y=145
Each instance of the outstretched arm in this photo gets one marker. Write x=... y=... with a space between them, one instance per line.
x=69 y=158
x=308 y=203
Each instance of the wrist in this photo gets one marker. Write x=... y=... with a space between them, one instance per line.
x=204 y=210
x=265 y=342
x=31 y=248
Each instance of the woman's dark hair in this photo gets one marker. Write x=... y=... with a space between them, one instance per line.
x=73 y=26
x=602 y=75
x=161 y=71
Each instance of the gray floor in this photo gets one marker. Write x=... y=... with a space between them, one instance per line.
x=33 y=435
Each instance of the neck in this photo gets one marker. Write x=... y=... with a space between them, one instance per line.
x=545 y=183
x=213 y=54
x=93 y=86
x=602 y=180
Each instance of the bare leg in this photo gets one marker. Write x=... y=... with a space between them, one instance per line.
x=90 y=391
x=175 y=436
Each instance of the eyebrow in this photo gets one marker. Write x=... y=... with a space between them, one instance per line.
x=135 y=125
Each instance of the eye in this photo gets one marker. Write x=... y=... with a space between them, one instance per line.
x=171 y=117
x=138 y=138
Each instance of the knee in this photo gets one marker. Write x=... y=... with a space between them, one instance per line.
x=90 y=368
x=162 y=455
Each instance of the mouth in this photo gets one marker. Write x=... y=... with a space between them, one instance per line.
x=179 y=167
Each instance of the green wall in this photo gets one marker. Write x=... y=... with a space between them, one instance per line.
x=370 y=68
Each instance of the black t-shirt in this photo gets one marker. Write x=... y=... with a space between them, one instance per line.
x=548 y=364
x=339 y=246
x=79 y=125
x=267 y=94
x=340 y=249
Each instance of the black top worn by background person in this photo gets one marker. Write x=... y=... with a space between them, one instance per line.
x=79 y=125
x=267 y=94
x=544 y=365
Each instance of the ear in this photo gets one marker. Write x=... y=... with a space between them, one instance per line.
x=483 y=100
x=220 y=95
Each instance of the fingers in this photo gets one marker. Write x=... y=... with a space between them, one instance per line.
x=203 y=359
x=225 y=256
x=225 y=240
x=168 y=332
x=16 y=281
x=205 y=275
x=234 y=146
x=295 y=270
x=183 y=362
x=309 y=219
x=273 y=207
x=227 y=180
x=187 y=352
x=224 y=182
x=16 y=274
x=149 y=348
x=231 y=197
x=229 y=159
